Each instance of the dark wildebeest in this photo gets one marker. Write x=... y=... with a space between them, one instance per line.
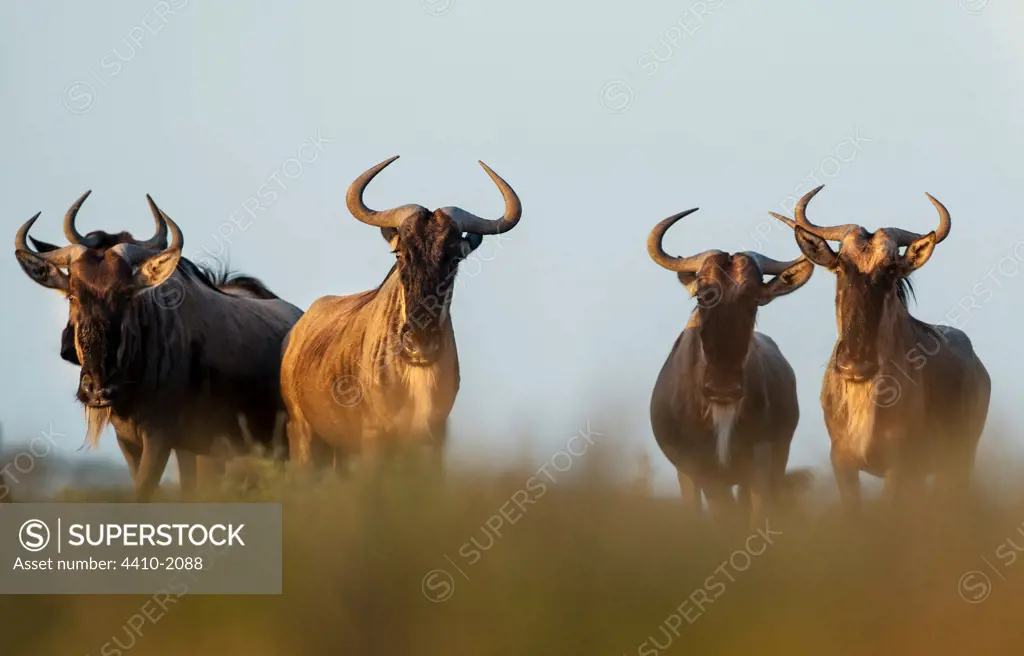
x=902 y=398
x=724 y=407
x=190 y=468
x=169 y=359
x=380 y=367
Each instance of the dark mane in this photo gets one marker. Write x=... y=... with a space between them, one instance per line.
x=221 y=277
x=905 y=291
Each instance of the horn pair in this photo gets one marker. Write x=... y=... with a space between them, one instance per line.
x=157 y=242
x=692 y=264
x=836 y=233
x=463 y=220
x=134 y=252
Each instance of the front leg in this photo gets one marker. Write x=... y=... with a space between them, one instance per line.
x=300 y=437
x=759 y=494
x=721 y=502
x=438 y=443
x=848 y=482
x=903 y=478
x=690 y=492
x=132 y=452
x=156 y=450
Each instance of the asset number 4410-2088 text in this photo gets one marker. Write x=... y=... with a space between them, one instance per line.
x=162 y=563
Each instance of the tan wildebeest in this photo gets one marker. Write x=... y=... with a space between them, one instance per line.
x=902 y=398
x=186 y=367
x=380 y=368
x=724 y=407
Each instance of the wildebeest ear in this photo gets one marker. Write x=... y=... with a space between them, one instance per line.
x=157 y=269
x=390 y=236
x=473 y=241
x=918 y=253
x=42 y=246
x=689 y=281
x=815 y=248
x=786 y=282
x=41 y=271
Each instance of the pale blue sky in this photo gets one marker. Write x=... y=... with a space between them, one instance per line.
x=569 y=316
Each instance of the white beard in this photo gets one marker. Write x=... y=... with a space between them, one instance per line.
x=860 y=406
x=723 y=419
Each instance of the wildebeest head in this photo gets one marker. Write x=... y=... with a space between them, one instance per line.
x=428 y=247
x=99 y=284
x=729 y=289
x=98 y=240
x=870 y=272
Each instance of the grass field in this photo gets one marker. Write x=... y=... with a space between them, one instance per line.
x=405 y=562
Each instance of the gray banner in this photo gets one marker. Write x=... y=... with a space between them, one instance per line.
x=135 y=548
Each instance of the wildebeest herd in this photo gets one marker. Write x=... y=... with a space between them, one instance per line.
x=179 y=358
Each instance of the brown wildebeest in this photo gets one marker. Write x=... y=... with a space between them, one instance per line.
x=169 y=359
x=724 y=408
x=380 y=367
x=902 y=398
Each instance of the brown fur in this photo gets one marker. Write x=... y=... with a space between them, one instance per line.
x=719 y=349
x=381 y=366
x=918 y=399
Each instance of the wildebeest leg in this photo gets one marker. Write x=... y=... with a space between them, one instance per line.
x=848 y=482
x=744 y=499
x=690 y=492
x=953 y=478
x=895 y=488
x=321 y=454
x=300 y=437
x=721 y=502
x=187 y=473
x=761 y=484
x=438 y=444
x=155 y=453
x=955 y=461
x=902 y=477
x=132 y=455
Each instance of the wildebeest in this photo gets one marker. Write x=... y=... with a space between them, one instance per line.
x=381 y=367
x=190 y=468
x=902 y=398
x=724 y=407
x=170 y=360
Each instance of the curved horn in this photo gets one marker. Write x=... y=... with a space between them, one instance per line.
x=391 y=218
x=70 y=232
x=42 y=246
x=832 y=233
x=469 y=222
x=770 y=266
x=61 y=257
x=944 y=221
x=908 y=237
x=136 y=254
x=21 y=237
x=680 y=264
x=158 y=241
x=177 y=239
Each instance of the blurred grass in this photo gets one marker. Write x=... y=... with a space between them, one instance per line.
x=594 y=566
